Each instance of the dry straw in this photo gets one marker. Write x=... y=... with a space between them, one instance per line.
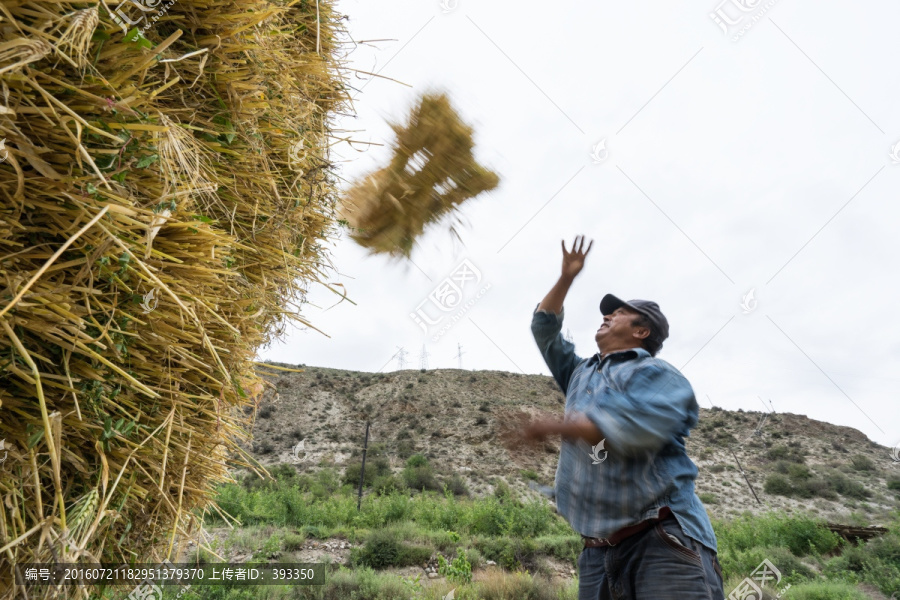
x=157 y=226
x=431 y=173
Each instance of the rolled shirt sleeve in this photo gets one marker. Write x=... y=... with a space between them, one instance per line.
x=656 y=404
x=558 y=352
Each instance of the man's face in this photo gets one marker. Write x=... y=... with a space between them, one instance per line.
x=617 y=332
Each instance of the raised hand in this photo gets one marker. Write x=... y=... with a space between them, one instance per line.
x=573 y=261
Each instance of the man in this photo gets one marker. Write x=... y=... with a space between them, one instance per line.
x=624 y=480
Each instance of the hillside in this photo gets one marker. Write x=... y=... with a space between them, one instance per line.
x=451 y=416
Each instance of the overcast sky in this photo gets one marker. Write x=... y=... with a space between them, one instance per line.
x=729 y=162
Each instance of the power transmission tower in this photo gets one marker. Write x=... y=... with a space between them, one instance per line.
x=459 y=353
x=401 y=357
x=762 y=420
x=568 y=336
x=423 y=359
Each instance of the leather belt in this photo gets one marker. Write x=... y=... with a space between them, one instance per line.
x=593 y=542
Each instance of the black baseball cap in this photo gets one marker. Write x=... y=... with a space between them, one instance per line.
x=647 y=308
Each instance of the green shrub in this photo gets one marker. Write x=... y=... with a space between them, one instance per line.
x=458 y=570
x=502 y=491
x=798 y=472
x=383 y=548
x=510 y=553
x=785 y=453
x=457 y=485
x=564 y=547
x=263 y=447
x=292 y=542
x=374 y=469
x=849 y=488
x=385 y=484
x=862 y=463
x=283 y=472
x=418 y=478
x=314 y=531
x=821 y=488
x=778 y=484
x=529 y=474
x=416 y=460
x=825 y=591
x=893 y=484
x=708 y=498
x=801 y=535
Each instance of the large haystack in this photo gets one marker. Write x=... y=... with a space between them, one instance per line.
x=431 y=173
x=160 y=200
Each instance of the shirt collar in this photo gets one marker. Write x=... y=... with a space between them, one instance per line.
x=619 y=355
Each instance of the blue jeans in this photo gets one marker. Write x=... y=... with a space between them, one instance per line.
x=650 y=565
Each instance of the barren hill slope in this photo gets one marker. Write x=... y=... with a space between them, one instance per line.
x=451 y=416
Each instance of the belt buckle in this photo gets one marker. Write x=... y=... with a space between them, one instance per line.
x=601 y=540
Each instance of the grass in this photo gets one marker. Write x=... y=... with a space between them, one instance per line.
x=409 y=528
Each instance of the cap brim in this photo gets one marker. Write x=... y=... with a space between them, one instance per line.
x=610 y=303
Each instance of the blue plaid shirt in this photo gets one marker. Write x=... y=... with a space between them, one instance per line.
x=644 y=408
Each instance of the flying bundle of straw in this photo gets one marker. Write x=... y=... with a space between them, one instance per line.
x=160 y=200
x=432 y=172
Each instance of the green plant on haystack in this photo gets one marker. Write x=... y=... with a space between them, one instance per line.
x=432 y=172
x=81 y=514
x=459 y=569
x=111 y=431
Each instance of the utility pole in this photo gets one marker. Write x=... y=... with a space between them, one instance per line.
x=362 y=471
x=741 y=469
